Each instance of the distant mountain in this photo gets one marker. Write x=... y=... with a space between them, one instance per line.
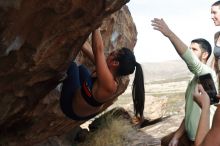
x=167 y=70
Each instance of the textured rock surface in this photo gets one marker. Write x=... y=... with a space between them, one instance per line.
x=38 y=40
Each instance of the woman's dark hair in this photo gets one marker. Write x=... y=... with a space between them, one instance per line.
x=127 y=65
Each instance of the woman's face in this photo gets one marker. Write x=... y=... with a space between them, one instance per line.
x=111 y=57
x=215 y=15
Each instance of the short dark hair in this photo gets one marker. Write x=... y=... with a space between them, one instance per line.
x=217 y=3
x=204 y=45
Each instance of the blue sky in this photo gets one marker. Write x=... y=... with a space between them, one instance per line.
x=189 y=19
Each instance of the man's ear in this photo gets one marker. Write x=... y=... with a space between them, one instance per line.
x=205 y=55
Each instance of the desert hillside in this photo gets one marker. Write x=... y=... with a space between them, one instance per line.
x=167 y=70
x=168 y=77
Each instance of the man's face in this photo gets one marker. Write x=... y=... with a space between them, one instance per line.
x=215 y=15
x=197 y=50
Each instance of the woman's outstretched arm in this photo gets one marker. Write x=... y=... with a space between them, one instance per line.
x=106 y=84
x=87 y=50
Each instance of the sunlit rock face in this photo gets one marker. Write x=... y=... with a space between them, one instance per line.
x=38 y=40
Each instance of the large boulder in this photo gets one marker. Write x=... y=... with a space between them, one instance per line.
x=38 y=40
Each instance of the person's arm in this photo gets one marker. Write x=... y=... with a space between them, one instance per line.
x=216 y=67
x=106 y=84
x=202 y=99
x=212 y=61
x=87 y=50
x=160 y=25
x=180 y=131
x=191 y=60
x=212 y=137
